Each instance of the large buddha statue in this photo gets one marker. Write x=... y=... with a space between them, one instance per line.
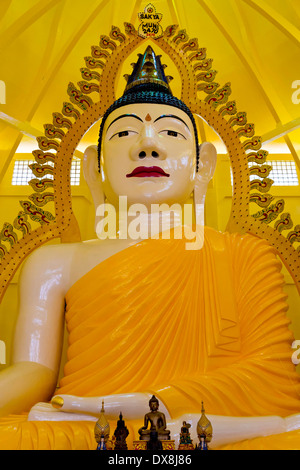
x=152 y=315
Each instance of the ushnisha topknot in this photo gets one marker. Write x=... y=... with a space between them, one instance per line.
x=148 y=84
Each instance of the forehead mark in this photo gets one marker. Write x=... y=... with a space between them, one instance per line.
x=148 y=117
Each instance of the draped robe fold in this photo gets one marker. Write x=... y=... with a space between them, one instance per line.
x=188 y=326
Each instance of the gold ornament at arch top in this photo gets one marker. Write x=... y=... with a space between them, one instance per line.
x=87 y=102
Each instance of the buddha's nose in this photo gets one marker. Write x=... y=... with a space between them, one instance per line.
x=148 y=147
x=144 y=153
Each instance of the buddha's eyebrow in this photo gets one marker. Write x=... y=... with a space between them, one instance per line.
x=123 y=116
x=172 y=116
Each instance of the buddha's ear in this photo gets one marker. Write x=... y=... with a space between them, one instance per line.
x=207 y=161
x=207 y=166
x=92 y=176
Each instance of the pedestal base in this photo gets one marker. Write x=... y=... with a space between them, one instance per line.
x=186 y=446
x=142 y=445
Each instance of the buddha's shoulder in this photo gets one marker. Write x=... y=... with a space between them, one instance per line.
x=66 y=256
x=48 y=260
x=52 y=252
x=237 y=241
x=67 y=249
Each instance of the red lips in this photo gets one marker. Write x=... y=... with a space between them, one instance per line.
x=146 y=171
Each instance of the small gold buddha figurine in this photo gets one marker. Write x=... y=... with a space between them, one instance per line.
x=101 y=431
x=157 y=421
x=204 y=430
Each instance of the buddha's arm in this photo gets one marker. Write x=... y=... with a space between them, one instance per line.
x=132 y=403
x=146 y=421
x=162 y=422
x=38 y=336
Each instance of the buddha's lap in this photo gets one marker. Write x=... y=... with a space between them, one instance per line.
x=16 y=433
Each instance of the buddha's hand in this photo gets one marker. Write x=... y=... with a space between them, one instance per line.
x=142 y=430
x=132 y=405
x=292 y=423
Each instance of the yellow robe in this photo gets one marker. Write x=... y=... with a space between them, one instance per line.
x=188 y=326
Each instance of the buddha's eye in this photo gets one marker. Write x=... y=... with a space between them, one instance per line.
x=173 y=133
x=123 y=134
x=170 y=133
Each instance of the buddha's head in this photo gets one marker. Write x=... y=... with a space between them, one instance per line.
x=148 y=146
x=153 y=403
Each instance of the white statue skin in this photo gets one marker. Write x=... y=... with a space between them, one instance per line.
x=55 y=268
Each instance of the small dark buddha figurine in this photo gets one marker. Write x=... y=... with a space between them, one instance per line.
x=121 y=434
x=157 y=421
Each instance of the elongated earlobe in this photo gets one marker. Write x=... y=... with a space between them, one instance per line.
x=206 y=169
x=93 y=177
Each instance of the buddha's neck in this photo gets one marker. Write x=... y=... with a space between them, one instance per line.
x=139 y=223
x=142 y=225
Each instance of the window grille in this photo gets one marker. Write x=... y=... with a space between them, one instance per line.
x=283 y=173
x=22 y=173
x=75 y=173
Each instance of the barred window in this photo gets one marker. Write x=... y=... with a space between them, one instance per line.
x=22 y=173
x=75 y=173
x=283 y=173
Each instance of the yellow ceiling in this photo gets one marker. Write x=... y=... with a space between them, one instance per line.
x=254 y=45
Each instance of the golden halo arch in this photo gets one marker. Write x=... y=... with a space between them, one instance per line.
x=57 y=146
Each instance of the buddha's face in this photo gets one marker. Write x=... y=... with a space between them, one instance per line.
x=149 y=155
x=153 y=405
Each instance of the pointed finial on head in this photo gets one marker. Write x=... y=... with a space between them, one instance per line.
x=148 y=69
